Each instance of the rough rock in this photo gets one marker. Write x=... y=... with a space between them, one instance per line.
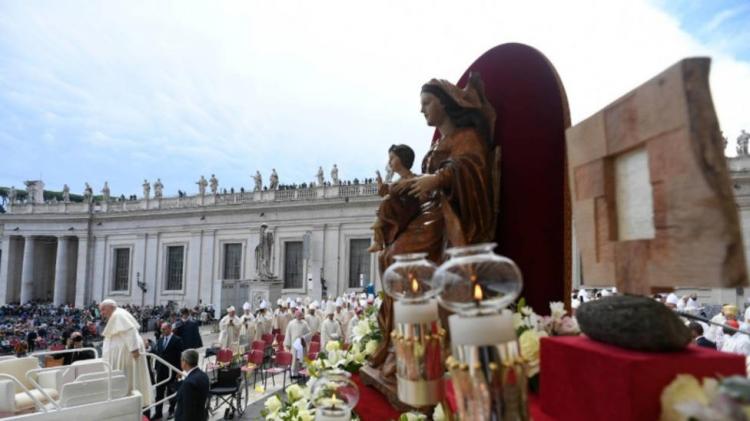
x=633 y=322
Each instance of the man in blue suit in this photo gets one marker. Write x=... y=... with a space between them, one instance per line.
x=193 y=392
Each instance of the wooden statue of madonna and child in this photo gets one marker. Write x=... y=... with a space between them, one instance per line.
x=519 y=104
x=452 y=203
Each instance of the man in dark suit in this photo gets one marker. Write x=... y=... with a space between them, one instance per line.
x=187 y=329
x=169 y=347
x=697 y=331
x=193 y=391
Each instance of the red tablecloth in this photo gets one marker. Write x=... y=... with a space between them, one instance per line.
x=585 y=380
x=372 y=405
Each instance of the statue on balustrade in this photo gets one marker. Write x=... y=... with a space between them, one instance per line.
x=320 y=177
x=335 y=175
x=146 y=189
x=214 y=183
x=105 y=192
x=158 y=189
x=264 y=253
x=66 y=193
x=12 y=194
x=742 y=143
x=274 y=180
x=88 y=193
x=202 y=183
x=258 y=180
x=456 y=191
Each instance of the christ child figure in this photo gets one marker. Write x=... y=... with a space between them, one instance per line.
x=396 y=210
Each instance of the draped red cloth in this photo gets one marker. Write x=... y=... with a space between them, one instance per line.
x=372 y=405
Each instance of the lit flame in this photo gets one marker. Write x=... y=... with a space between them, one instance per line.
x=334 y=401
x=414 y=285
x=477 y=292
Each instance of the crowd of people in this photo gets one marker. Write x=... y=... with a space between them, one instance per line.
x=297 y=320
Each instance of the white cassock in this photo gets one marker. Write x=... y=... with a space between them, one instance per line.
x=298 y=354
x=294 y=331
x=121 y=338
x=330 y=330
x=262 y=325
x=281 y=321
x=314 y=322
x=229 y=334
x=739 y=343
x=247 y=331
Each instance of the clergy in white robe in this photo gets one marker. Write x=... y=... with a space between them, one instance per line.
x=296 y=330
x=124 y=348
x=282 y=320
x=313 y=321
x=735 y=342
x=330 y=330
x=352 y=323
x=247 y=330
x=229 y=330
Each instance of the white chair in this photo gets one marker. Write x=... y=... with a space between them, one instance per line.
x=13 y=399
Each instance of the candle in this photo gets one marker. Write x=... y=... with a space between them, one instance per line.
x=332 y=409
x=482 y=330
x=424 y=312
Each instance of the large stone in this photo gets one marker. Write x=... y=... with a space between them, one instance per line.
x=633 y=322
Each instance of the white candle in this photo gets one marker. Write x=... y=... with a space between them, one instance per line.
x=482 y=330
x=333 y=414
x=415 y=313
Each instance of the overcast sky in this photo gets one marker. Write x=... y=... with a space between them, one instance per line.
x=122 y=91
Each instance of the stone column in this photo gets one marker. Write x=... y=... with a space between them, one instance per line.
x=81 y=270
x=27 y=271
x=5 y=278
x=61 y=271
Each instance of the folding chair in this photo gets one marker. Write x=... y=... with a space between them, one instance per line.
x=225 y=356
x=283 y=364
x=227 y=390
x=315 y=338
x=314 y=347
x=258 y=345
x=279 y=342
x=257 y=357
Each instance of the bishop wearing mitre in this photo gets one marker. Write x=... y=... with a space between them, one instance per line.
x=247 y=331
x=124 y=349
x=229 y=330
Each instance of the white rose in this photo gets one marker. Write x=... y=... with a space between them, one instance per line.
x=273 y=404
x=371 y=347
x=294 y=393
x=557 y=309
x=438 y=414
x=332 y=346
x=305 y=415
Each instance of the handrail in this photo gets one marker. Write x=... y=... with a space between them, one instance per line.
x=66 y=351
x=17 y=382
x=171 y=368
x=38 y=386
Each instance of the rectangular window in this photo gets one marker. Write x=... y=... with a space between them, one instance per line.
x=232 y=260
x=175 y=260
x=122 y=269
x=359 y=263
x=293 y=264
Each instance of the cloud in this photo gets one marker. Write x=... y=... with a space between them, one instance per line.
x=124 y=91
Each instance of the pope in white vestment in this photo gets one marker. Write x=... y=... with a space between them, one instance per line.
x=124 y=349
x=229 y=330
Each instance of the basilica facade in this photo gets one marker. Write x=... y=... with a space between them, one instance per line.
x=150 y=251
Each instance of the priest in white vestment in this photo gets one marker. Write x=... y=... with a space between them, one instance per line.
x=313 y=320
x=124 y=349
x=296 y=329
x=247 y=331
x=330 y=330
x=229 y=330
